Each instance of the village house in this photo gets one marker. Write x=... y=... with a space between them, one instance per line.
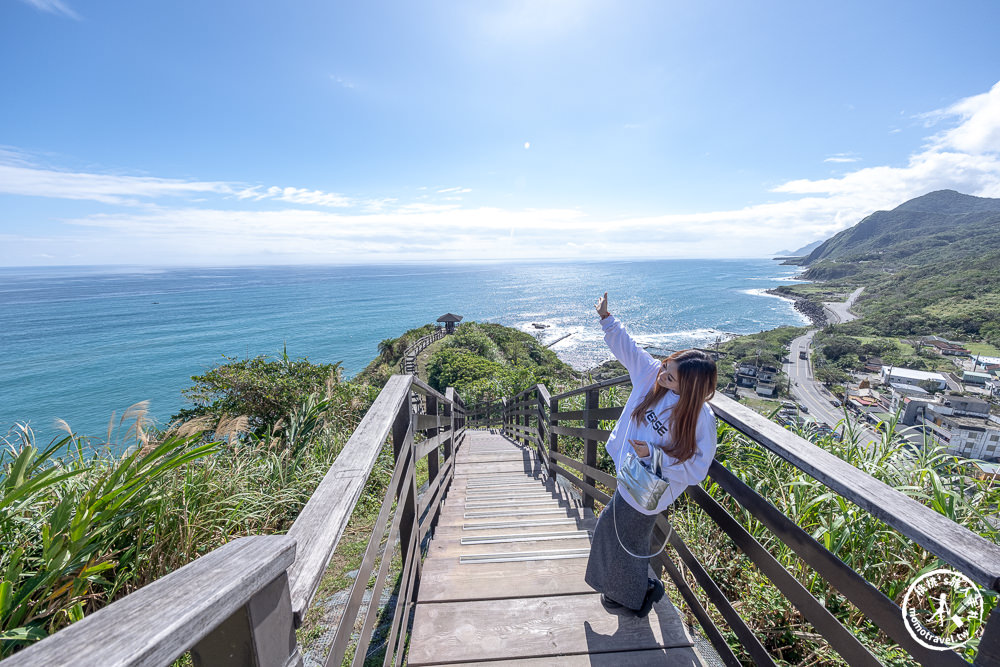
x=962 y=424
x=895 y=375
x=946 y=347
x=763 y=379
x=978 y=379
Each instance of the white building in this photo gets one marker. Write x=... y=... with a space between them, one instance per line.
x=963 y=426
x=896 y=375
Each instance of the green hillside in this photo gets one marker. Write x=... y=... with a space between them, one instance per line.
x=929 y=266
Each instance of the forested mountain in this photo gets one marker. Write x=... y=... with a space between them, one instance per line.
x=929 y=266
x=939 y=225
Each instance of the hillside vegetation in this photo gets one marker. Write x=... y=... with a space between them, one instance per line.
x=486 y=361
x=929 y=266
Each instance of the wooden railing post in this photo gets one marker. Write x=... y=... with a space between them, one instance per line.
x=553 y=438
x=592 y=402
x=259 y=633
x=989 y=644
x=432 y=457
x=402 y=440
x=449 y=415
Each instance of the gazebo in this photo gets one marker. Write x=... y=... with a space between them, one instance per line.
x=450 y=321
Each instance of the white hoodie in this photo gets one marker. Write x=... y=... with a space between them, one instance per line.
x=643 y=369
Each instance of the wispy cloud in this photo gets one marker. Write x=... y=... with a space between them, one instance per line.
x=53 y=7
x=963 y=154
x=842 y=157
x=342 y=82
x=297 y=196
x=20 y=178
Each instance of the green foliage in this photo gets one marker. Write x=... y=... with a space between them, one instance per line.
x=486 y=361
x=74 y=529
x=262 y=389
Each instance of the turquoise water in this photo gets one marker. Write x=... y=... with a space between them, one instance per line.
x=80 y=343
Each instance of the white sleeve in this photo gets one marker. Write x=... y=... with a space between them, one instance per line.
x=695 y=469
x=639 y=363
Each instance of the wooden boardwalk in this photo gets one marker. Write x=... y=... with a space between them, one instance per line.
x=503 y=580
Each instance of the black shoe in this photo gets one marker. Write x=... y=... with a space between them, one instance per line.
x=654 y=593
x=611 y=605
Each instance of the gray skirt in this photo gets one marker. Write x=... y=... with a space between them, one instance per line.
x=612 y=570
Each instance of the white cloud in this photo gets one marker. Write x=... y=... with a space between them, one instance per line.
x=53 y=7
x=842 y=157
x=326 y=226
x=18 y=178
x=344 y=83
x=297 y=196
x=978 y=131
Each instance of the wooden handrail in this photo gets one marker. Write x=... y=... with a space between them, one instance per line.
x=239 y=604
x=523 y=419
x=158 y=622
x=321 y=522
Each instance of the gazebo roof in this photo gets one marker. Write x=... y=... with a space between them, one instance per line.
x=448 y=317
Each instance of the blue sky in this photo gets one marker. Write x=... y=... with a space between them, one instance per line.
x=258 y=132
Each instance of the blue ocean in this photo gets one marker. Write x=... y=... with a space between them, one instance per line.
x=83 y=343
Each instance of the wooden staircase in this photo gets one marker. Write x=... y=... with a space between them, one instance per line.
x=503 y=584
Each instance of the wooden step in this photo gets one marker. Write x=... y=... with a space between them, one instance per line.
x=453 y=518
x=509 y=543
x=505 y=526
x=450 y=580
x=537 y=627
x=686 y=656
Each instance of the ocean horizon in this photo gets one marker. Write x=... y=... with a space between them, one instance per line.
x=82 y=343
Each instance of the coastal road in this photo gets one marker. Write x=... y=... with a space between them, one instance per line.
x=805 y=388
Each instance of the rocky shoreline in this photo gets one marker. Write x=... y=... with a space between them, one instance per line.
x=814 y=311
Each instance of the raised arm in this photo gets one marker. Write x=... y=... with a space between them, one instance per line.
x=636 y=360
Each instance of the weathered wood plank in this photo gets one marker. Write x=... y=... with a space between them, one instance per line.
x=536 y=627
x=971 y=554
x=454 y=548
x=610 y=382
x=499 y=526
x=445 y=579
x=158 y=622
x=424 y=422
x=687 y=656
x=579 y=415
x=430 y=444
x=586 y=433
x=321 y=522
x=596 y=473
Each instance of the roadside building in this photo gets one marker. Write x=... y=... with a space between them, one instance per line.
x=985 y=471
x=746 y=375
x=948 y=348
x=895 y=375
x=767 y=377
x=976 y=378
x=963 y=425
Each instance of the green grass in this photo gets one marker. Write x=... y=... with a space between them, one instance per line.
x=984 y=349
x=903 y=348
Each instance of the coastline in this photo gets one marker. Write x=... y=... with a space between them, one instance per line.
x=814 y=311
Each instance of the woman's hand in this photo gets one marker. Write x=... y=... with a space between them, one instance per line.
x=640 y=447
x=602 y=306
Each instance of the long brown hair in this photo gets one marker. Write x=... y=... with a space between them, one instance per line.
x=696 y=378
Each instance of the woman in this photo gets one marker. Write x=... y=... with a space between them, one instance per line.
x=666 y=409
